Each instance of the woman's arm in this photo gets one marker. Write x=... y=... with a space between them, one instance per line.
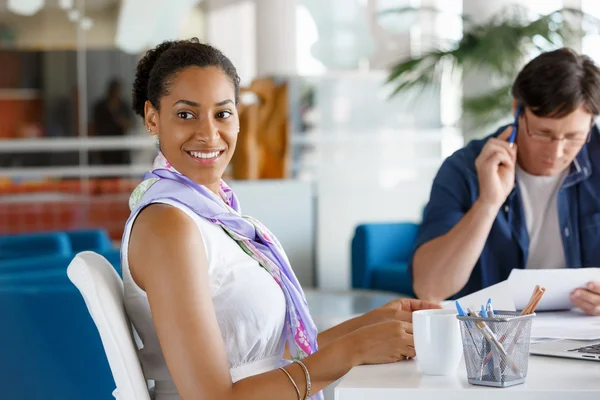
x=330 y=335
x=168 y=261
x=400 y=309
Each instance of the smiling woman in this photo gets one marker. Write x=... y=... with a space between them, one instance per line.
x=196 y=122
x=211 y=292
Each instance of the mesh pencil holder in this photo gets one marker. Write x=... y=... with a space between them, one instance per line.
x=496 y=350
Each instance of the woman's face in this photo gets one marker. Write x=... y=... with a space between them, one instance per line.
x=197 y=124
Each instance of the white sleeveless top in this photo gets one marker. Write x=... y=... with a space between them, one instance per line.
x=249 y=305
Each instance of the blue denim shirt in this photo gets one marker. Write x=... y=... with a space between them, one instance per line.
x=455 y=189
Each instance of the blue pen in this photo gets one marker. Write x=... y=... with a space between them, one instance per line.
x=483 y=313
x=513 y=135
x=462 y=313
x=460 y=310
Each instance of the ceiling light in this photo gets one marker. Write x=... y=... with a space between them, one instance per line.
x=65 y=4
x=74 y=15
x=86 y=23
x=25 y=7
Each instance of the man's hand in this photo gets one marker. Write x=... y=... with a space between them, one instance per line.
x=587 y=299
x=496 y=169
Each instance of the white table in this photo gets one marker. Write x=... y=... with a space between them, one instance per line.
x=548 y=378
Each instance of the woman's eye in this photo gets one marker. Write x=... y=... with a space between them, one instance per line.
x=223 y=114
x=185 y=115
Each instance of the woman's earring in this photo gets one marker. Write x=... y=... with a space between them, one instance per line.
x=156 y=141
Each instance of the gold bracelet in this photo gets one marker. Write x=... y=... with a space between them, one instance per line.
x=293 y=383
x=307 y=375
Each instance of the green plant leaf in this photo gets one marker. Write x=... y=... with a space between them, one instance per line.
x=411 y=10
x=497 y=47
x=489 y=108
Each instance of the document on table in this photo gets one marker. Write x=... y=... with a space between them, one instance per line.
x=515 y=292
x=499 y=293
x=573 y=325
x=559 y=284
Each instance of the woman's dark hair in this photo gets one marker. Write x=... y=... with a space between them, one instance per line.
x=556 y=83
x=155 y=72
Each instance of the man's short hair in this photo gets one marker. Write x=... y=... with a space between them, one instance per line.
x=556 y=83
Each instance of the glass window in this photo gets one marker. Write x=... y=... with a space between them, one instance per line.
x=71 y=148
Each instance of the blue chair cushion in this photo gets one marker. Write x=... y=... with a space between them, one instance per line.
x=392 y=277
x=36 y=263
x=33 y=245
x=91 y=239
x=46 y=263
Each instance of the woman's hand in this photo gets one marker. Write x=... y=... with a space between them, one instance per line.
x=398 y=310
x=380 y=343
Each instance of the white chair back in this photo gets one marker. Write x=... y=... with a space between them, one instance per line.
x=102 y=290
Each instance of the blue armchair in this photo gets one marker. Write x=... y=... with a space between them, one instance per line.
x=50 y=346
x=380 y=255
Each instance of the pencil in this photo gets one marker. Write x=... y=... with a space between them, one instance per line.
x=531 y=310
x=534 y=300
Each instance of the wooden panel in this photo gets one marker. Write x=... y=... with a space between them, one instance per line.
x=16 y=114
x=11 y=69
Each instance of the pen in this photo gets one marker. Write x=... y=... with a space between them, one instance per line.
x=495 y=352
x=513 y=134
x=462 y=313
x=490 y=310
x=460 y=310
x=491 y=338
x=536 y=296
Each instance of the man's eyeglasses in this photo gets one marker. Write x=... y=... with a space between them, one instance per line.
x=569 y=140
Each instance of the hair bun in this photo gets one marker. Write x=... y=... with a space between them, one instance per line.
x=142 y=76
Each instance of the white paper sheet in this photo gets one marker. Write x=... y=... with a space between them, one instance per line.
x=559 y=284
x=499 y=293
x=574 y=325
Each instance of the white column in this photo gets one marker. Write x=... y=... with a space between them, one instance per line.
x=275 y=37
x=230 y=27
x=427 y=22
x=481 y=82
x=576 y=43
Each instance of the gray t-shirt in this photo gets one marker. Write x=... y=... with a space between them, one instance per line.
x=539 y=197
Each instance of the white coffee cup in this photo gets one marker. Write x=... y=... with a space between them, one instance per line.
x=438 y=341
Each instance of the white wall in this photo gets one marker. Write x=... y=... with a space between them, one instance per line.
x=341 y=209
x=287 y=208
x=373 y=159
x=388 y=181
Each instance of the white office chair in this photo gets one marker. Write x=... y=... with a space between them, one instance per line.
x=102 y=290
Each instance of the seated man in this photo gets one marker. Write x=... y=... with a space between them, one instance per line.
x=495 y=206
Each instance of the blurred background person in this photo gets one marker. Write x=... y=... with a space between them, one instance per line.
x=112 y=117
